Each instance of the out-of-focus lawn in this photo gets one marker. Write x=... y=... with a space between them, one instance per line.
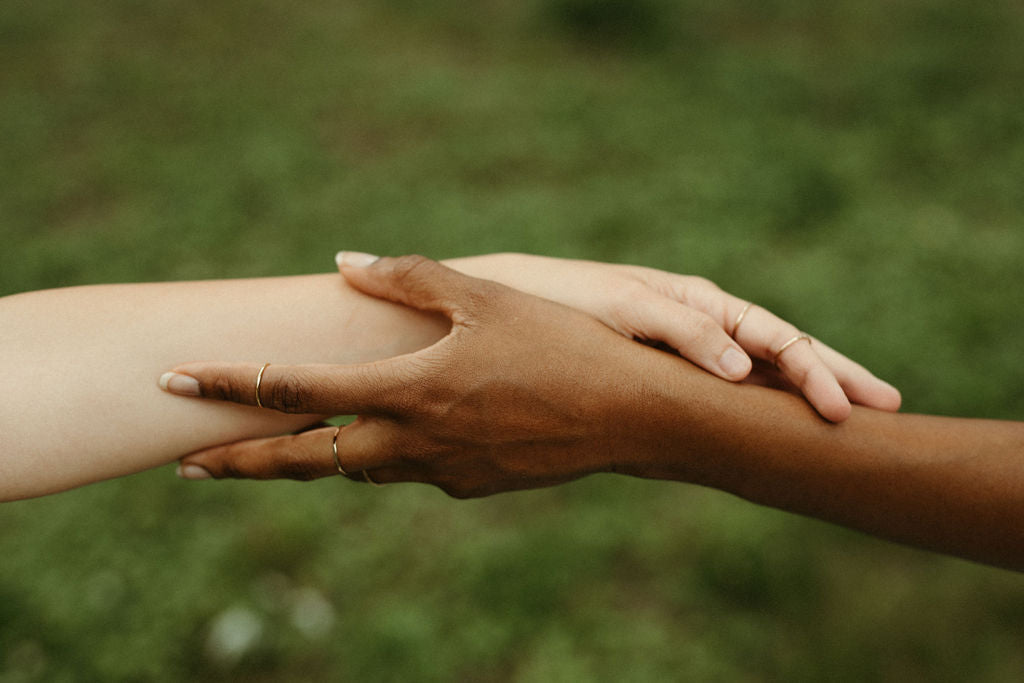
x=856 y=165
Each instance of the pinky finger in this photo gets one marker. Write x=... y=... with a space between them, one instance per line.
x=312 y=454
x=860 y=385
x=303 y=456
x=801 y=365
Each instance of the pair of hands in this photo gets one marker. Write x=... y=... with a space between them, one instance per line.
x=538 y=382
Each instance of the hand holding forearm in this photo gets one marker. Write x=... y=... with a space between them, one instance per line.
x=707 y=326
x=524 y=392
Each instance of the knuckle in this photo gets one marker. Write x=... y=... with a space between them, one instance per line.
x=705 y=329
x=298 y=468
x=800 y=374
x=485 y=293
x=227 y=469
x=458 y=490
x=287 y=394
x=701 y=283
x=224 y=389
x=287 y=459
x=416 y=453
x=697 y=291
x=408 y=270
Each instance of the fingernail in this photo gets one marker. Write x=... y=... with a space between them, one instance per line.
x=733 y=363
x=356 y=259
x=192 y=472
x=183 y=385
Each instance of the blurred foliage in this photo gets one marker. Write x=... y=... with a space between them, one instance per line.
x=854 y=165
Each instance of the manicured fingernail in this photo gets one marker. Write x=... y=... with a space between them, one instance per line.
x=192 y=472
x=356 y=259
x=733 y=363
x=183 y=385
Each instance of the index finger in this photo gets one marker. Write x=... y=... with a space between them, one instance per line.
x=309 y=389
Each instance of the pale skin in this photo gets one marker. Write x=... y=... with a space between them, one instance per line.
x=524 y=392
x=82 y=404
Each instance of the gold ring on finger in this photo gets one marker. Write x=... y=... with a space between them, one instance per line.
x=259 y=381
x=739 y=319
x=794 y=340
x=366 y=476
x=334 y=448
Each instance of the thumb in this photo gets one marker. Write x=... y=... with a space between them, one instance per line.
x=415 y=281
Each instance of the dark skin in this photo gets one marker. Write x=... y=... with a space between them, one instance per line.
x=524 y=392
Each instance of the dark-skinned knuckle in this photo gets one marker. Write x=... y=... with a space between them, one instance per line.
x=298 y=468
x=226 y=469
x=287 y=394
x=222 y=388
x=415 y=453
x=457 y=490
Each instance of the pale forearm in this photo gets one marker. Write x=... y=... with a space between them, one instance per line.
x=80 y=401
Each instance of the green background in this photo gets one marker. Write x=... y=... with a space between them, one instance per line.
x=856 y=166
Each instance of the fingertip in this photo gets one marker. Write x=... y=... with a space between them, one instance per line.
x=177 y=383
x=888 y=398
x=354 y=259
x=734 y=365
x=896 y=401
x=837 y=412
x=824 y=392
x=192 y=472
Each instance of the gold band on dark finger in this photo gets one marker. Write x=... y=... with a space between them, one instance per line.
x=794 y=340
x=259 y=380
x=366 y=476
x=739 y=319
x=334 y=448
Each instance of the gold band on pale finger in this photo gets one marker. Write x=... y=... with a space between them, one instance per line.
x=739 y=319
x=794 y=340
x=334 y=448
x=366 y=476
x=259 y=381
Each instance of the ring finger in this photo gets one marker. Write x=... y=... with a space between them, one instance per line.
x=768 y=337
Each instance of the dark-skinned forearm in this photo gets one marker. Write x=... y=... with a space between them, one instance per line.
x=948 y=484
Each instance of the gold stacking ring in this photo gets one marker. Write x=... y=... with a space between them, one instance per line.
x=739 y=319
x=794 y=340
x=366 y=476
x=334 y=447
x=259 y=380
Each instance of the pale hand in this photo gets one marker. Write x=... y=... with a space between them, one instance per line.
x=697 y=319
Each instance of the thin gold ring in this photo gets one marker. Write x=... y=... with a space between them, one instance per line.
x=334 y=448
x=794 y=340
x=739 y=318
x=259 y=380
x=366 y=476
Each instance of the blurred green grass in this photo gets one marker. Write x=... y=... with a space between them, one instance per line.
x=855 y=166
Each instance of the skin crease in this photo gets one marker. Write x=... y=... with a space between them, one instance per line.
x=80 y=364
x=525 y=392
